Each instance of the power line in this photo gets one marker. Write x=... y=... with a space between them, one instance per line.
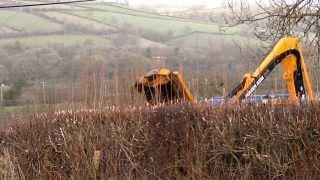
x=160 y=16
x=150 y=15
x=44 y=4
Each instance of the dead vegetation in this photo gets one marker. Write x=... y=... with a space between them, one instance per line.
x=175 y=142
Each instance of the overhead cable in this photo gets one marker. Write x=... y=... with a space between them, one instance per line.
x=43 y=4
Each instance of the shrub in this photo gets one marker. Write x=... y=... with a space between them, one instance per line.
x=171 y=142
x=14 y=92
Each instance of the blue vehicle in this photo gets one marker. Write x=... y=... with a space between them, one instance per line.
x=218 y=100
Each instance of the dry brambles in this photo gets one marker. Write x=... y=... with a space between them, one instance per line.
x=173 y=142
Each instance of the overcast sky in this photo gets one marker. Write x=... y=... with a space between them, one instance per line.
x=212 y=3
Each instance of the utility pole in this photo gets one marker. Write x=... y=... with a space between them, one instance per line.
x=318 y=56
x=318 y=60
x=1 y=94
x=197 y=66
x=44 y=91
x=276 y=84
x=116 y=79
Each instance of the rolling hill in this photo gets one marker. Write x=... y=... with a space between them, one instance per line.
x=56 y=24
x=24 y=22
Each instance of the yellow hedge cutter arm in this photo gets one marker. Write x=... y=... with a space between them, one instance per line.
x=287 y=52
x=162 y=85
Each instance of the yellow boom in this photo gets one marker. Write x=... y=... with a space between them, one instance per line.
x=162 y=85
x=287 y=52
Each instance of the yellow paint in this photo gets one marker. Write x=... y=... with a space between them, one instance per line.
x=288 y=65
x=163 y=76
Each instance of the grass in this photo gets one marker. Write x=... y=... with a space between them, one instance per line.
x=82 y=22
x=7 y=112
x=103 y=17
x=126 y=10
x=171 y=142
x=138 y=22
x=66 y=40
x=26 y=22
x=205 y=40
x=106 y=14
x=60 y=6
x=134 y=17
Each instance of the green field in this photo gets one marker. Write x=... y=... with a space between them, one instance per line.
x=118 y=9
x=147 y=23
x=208 y=40
x=26 y=22
x=166 y=21
x=105 y=17
x=78 y=21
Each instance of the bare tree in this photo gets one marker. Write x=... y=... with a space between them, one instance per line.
x=273 y=19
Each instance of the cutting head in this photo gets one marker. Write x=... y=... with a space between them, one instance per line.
x=160 y=85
